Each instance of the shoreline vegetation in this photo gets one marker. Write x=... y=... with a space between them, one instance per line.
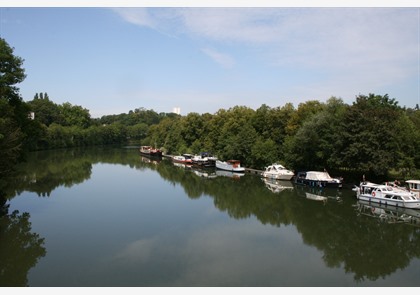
x=373 y=136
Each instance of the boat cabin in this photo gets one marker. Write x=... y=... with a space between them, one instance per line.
x=414 y=187
x=384 y=191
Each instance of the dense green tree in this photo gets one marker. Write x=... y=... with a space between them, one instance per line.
x=137 y=131
x=46 y=112
x=13 y=111
x=370 y=138
x=11 y=138
x=315 y=141
x=264 y=153
x=74 y=115
x=304 y=112
x=11 y=73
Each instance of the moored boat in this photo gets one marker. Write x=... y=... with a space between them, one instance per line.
x=183 y=159
x=150 y=151
x=230 y=165
x=277 y=171
x=386 y=195
x=204 y=159
x=318 y=179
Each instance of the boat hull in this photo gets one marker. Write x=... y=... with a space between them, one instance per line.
x=278 y=176
x=182 y=160
x=151 y=154
x=387 y=202
x=317 y=179
x=318 y=183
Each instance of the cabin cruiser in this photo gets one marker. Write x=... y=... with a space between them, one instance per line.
x=230 y=165
x=204 y=159
x=150 y=151
x=184 y=159
x=318 y=179
x=277 y=171
x=386 y=195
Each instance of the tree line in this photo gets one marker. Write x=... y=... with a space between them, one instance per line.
x=373 y=135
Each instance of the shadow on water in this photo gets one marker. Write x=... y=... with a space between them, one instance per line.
x=330 y=220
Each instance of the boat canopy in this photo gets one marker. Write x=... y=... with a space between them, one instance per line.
x=318 y=175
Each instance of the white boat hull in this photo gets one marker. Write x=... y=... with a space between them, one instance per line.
x=278 y=176
x=387 y=202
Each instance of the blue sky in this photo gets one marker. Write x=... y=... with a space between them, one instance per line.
x=113 y=60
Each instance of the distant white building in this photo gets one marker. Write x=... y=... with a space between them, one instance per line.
x=177 y=110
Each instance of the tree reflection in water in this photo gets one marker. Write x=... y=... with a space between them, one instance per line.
x=364 y=247
x=20 y=249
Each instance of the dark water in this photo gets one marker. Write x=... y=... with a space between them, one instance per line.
x=109 y=217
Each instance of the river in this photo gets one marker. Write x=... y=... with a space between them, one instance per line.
x=108 y=217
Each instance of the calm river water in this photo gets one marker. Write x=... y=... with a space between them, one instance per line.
x=109 y=217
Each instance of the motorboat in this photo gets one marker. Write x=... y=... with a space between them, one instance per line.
x=386 y=195
x=150 y=151
x=204 y=159
x=183 y=159
x=277 y=171
x=318 y=179
x=230 y=165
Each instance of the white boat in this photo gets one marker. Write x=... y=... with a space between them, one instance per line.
x=414 y=187
x=150 y=151
x=387 y=195
x=277 y=171
x=318 y=179
x=184 y=159
x=230 y=165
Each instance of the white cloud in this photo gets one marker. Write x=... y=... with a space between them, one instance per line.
x=355 y=50
x=300 y=35
x=137 y=16
x=223 y=59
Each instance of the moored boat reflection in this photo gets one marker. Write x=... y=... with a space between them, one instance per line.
x=277 y=186
x=388 y=214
